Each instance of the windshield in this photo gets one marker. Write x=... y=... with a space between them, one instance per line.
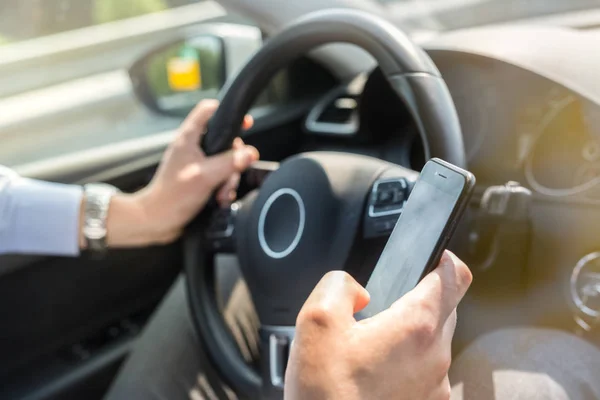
x=455 y=14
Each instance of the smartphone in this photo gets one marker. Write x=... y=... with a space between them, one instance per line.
x=428 y=220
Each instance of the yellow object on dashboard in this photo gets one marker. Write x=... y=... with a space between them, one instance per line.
x=184 y=74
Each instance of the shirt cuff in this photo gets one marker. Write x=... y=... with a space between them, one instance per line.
x=46 y=217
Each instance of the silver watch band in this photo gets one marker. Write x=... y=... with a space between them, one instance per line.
x=97 y=201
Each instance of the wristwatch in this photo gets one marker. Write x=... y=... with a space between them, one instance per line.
x=97 y=201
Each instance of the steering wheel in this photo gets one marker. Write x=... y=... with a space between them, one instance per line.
x=318 y=211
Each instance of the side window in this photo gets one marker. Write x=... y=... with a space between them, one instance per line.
x=64 y=85
x=27 y=19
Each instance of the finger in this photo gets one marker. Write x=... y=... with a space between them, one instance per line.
x=431 y=302
x=445 y=351
x=449 y=329
x=194 y=126
x=441 y=290
x=220 y=167
x=443 y=391
x=334 y=300
x=248 y=122
x=238 y=143
x=227 y=193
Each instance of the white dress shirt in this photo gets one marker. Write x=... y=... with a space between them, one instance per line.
x=38 y=217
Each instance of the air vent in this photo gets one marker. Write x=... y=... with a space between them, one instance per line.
x=336 y=114
x=339 y=111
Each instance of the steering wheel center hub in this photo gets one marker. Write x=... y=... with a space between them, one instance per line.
x=301 y=224
x=277 y=239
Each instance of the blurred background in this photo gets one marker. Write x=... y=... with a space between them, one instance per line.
x=26 y=19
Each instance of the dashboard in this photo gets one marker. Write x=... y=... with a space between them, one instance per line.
x=521 y=119
x=520 y=126
x=529 y=106
x=516 y=125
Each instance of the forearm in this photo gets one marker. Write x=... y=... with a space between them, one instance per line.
x=47 y=218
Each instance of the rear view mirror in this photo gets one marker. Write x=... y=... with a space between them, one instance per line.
x=174 y=78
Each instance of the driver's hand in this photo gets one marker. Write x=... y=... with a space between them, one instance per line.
x=183 y=183
x=401 y=353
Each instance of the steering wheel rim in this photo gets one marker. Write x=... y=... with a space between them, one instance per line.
x=412 y=75
x=410 y=71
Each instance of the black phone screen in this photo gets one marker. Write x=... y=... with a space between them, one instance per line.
x=417 y=236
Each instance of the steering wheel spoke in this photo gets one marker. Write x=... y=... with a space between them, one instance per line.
x=219 y=235
x=257 y=173
x=276 y=342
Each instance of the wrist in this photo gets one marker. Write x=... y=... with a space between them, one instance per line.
x=131 y=223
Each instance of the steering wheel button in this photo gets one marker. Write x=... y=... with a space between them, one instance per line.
x=399 y=196
x=388 y=197
x=384 y=197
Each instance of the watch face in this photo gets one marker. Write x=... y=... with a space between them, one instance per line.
x=95 y=233
x=94 y=230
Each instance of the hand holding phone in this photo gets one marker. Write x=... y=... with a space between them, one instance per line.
x=427 y=222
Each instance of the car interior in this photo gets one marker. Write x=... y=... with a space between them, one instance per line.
x=517 y=104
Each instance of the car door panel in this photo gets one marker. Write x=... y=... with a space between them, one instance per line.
x=63 y=314
x=67 y=323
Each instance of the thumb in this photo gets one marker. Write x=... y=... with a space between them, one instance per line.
x=333 y=301
x=220 y=167
x=433 y=300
